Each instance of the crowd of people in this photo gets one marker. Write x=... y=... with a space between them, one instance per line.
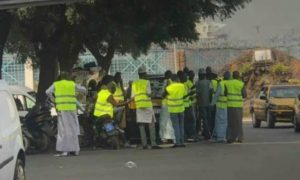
x=210 y=108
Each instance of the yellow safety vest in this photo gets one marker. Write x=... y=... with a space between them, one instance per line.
x=190 y=84
x=186 y=101
x=214 y=85
x=65 y=97
x=118 y=95
x=139 y=89
x=222 y=99
x=102 y=106
x=175 y=102
x=234 y=93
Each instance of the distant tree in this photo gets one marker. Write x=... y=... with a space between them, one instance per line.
x=5 y=25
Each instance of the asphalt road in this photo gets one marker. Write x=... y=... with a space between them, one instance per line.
x=266 y=154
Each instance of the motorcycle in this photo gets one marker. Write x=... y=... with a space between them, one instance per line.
x=108 y=135
x=38 y=128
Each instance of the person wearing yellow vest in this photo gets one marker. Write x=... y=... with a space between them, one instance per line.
x=166 y=131
x=119 y=96
x=220 y=99
x=175 y=93
x=141 y=92
x=236 y=93
x=105 y=103
x=214 y=83
x=189 y=119
x=64 y=91
x=192 y=88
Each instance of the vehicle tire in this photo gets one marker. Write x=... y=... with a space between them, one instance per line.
x=255 y=122
x=26 y=142
x=44 y=142
x=19 y=170
x=296 y=125
x=270 y=120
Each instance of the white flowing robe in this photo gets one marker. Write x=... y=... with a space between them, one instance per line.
x=145 y=115
x=166 y=130
x=67 y=126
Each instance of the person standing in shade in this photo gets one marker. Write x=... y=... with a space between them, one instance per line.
x=64 y=97
x=166 y=131
x=214 y=83
x=192 y=89
x=175 y=95
x=141 y=92
x=220 y=99
x=236 y=92
x=203 y=91
x=119 y=97
x=189 y=119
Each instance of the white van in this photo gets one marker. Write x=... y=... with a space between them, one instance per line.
x=12 y=155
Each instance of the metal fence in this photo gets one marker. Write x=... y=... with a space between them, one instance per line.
x=157 y=61
x=13 y=71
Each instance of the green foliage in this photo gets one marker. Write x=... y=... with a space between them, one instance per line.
x=246 y=68
x=280 y=68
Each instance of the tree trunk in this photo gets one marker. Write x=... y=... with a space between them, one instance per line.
x=48 y=70
x=70 y=46
x=5 y=24
x=103 y=61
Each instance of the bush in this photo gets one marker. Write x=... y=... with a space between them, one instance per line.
x=280 y=69
x=246 y=68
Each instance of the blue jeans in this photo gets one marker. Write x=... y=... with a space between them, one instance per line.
x=178 y=125
x=220 y=130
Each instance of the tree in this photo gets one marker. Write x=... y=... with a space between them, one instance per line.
x=127 y=26
x=59 y=33
x=5 y=24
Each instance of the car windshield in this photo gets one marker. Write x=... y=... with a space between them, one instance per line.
x=285 y=92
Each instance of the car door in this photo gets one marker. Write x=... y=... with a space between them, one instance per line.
x=8 y=134
x=20 y=104
x=259 y=104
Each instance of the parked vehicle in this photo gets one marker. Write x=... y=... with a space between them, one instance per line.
x=275 y=103
x=39 y=127
x=23 y=99
x=297 y=115
x=108 y=135
x=12 y=153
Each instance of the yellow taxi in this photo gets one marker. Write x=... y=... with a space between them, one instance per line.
x=274 y=103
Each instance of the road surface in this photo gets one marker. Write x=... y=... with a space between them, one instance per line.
x=266 y=154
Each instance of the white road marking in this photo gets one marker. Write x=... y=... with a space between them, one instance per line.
x=267 y=143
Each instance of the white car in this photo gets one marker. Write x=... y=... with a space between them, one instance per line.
x=23 y=99
x=12 y=154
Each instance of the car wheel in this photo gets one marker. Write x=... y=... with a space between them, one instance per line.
x=26 y=143
x=19 y=170
x=296 y=125
x=255 y=122
x=270 y=120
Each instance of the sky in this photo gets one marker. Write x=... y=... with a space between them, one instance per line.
x=273 y=17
